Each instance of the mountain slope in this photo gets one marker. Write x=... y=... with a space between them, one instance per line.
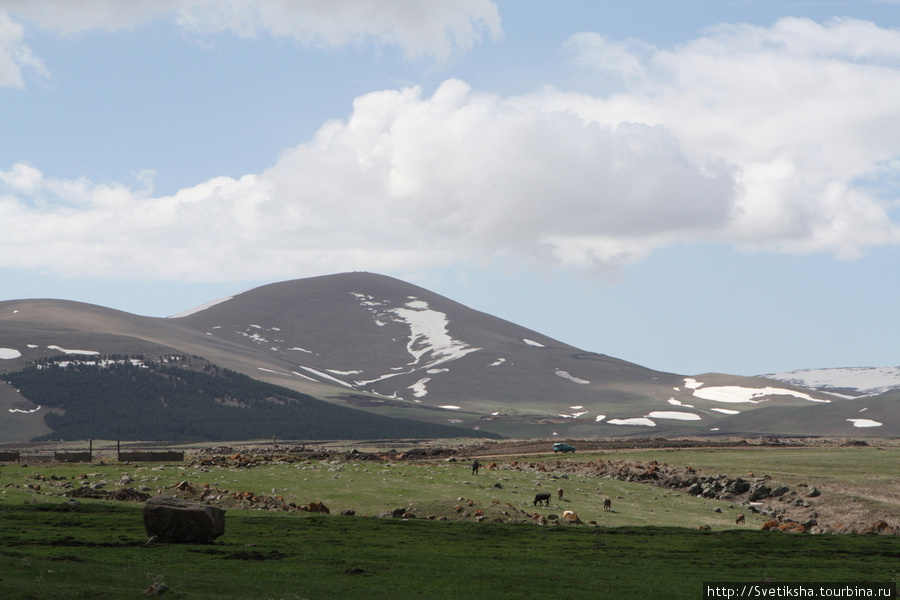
x=183 y=399
x=377 y=343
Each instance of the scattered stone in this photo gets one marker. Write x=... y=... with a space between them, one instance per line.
x=759 y=491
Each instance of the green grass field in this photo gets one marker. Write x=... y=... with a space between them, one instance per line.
x=647 y=547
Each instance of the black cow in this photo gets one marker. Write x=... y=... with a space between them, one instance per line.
x=542 y=497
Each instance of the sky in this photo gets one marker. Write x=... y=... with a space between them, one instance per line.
x=694 y=186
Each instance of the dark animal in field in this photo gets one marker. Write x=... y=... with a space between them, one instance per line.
x=607 y=505
x=559 y=493
x=739 y=520
x=542 y=497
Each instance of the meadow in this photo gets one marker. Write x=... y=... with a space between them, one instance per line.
x=473 y=535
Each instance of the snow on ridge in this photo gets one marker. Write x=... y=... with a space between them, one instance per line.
x=867 y=381
x=726 y=411
x=24 y=411
x=533 y=343
x=200 y=308
x=9 y=353
x=691 y=383
x=565 y=375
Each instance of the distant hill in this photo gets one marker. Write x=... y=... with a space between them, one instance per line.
x=381 y=345
x=847 y=381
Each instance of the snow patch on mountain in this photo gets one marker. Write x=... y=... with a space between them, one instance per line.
x=674 y=414
x=325 y=376
x=675 y=402
x=633 y=421
x=419 y=389
x=69 y=351
x=9 y=353
x=858 y=381
x=865 y=423
x=738 y=394
x=429 y=334
x=533 y=343
x=565 y=375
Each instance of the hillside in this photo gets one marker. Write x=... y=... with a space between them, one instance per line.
x=128 y=398
x=378 y=344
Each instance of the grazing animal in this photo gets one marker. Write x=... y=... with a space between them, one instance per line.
x=542 y=497
x=559 y=493
x=607 y=505
x=739 y=520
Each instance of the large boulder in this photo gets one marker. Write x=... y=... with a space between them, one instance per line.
x=170 y=519
x=759 y=491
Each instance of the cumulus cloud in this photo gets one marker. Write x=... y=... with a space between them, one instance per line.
x=804 y=111
x=406 y=181
x=760 y=137
x=420 y=28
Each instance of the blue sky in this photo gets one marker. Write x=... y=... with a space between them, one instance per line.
x=694 y=186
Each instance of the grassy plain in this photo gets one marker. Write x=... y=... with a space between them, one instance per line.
x=647 y=547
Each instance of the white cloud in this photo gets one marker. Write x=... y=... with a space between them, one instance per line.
x=420 y=28
x=802 y=110
x=407 y=181
x=755 y=136
x=15 y=56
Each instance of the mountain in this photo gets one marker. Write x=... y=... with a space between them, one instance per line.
x=847 y=381
x=379 y=344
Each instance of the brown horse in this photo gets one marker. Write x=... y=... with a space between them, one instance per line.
x=607 y=505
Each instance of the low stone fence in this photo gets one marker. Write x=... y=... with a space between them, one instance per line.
x=84 y=457
x=10 y=456
x=151 y=456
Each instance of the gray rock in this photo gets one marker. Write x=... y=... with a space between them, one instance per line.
x=758 y=491
x=176 y=520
